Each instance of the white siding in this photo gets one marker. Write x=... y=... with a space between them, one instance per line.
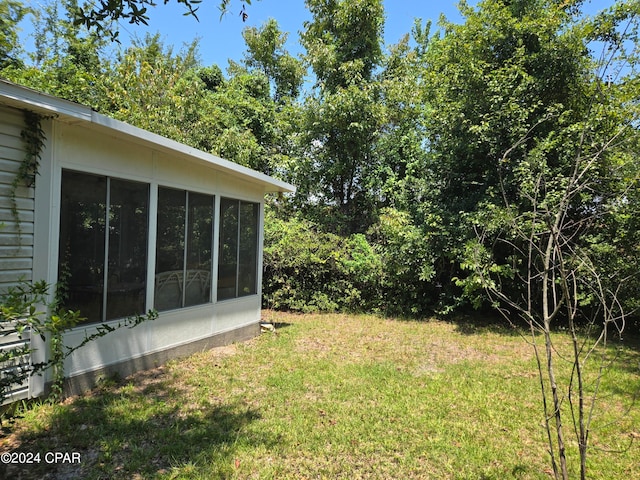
x=9 y=340
x=16 y=238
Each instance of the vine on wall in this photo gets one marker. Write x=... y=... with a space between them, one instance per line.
x=34 y=140
x=25 y=311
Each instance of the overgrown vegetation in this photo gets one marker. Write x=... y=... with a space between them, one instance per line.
x=308 y=269
x=332 y=396
x=421 y=136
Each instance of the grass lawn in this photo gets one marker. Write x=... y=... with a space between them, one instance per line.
x=331 y=396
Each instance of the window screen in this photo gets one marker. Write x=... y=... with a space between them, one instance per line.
x=102 y=260
x=238 y=249
x=184 y=247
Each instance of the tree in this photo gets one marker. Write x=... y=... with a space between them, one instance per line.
x=242 y=116
x=408 y=225
x=486 y=83
x=267 y=57
x=551 y=253
x=343 y=43
x=154 y=88
x=11 y=13
x=67 y=59
x=266 y=52
x=551 y=210
x=400 y=146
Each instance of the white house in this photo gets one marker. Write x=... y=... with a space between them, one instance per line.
x=129 y=221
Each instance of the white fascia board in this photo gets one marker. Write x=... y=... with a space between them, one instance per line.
x=159 y=142
x=20 y=97
x=73 y=113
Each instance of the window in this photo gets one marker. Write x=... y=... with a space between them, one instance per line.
x=238 y=249
x=184 y=249
x=103 y=242
x=103 y=258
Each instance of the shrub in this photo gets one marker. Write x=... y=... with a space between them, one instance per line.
x=307 y=270
x=407 y=282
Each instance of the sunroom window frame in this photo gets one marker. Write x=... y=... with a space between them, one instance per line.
x=256 y=247
x=185 y=251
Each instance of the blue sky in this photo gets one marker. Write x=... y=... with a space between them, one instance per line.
x=221 y=39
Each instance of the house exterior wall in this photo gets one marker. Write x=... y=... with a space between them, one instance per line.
x=16 y=239
x=79 y=140
x=16 y=235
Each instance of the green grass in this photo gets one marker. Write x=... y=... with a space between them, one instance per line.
x=332 y=396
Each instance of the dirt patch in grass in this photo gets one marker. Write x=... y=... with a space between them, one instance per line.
x=436 y=343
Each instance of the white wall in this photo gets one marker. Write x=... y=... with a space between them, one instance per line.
x=16 y=234
x=83 y=149
x=16 y=240
x=172 y=329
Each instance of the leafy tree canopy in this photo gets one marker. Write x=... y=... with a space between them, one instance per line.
x=11 y=13
x=414 y=145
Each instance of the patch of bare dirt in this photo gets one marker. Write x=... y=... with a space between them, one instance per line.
x=424 y=348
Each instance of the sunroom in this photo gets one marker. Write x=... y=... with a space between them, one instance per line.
x=124 y=221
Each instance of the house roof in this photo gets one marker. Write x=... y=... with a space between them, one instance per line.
x=74 y=113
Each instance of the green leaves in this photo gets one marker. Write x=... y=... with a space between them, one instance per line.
x=11 y=14
x=343 y=41
x=266 y=53
x=345 y=117
x=308 y=270
x=103 y=16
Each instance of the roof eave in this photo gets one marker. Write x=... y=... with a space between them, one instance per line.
x=70 y=112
